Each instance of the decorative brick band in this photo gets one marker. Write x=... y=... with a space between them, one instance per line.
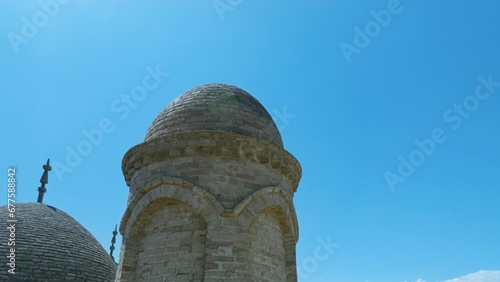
x=225 y=145
x=268 y=197
x=174 y=188
x=207 y=205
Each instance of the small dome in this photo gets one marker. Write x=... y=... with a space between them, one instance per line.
x=219 y=108
x=52 y=246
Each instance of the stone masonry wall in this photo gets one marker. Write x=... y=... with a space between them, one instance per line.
x=169 y=244
x=239 y=189
x=229 y=182
x=267 y=253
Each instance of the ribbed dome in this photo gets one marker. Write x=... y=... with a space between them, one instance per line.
x=52 y=246
x=216 y=107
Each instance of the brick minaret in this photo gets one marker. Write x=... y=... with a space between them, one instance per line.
x=211 y=191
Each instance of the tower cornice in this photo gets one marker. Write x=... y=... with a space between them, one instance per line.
x=227 y=146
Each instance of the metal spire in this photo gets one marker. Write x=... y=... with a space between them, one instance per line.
x=113 y=241
x=44 y=180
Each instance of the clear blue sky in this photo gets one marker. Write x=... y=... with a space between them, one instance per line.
x=357 y=93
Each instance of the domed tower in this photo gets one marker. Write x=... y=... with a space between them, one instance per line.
x=211 y=191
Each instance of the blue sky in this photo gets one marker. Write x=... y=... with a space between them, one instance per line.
x=353 y=87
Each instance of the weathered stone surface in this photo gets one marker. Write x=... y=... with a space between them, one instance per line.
x=52 y=246
x=216 y=107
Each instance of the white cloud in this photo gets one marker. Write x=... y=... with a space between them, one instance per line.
x=480 y=276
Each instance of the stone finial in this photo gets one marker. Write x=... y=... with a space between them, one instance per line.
x=44 y=180
x=113 y=241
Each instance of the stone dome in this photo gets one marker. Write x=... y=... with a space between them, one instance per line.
x=216 y=108
x=52 y=246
